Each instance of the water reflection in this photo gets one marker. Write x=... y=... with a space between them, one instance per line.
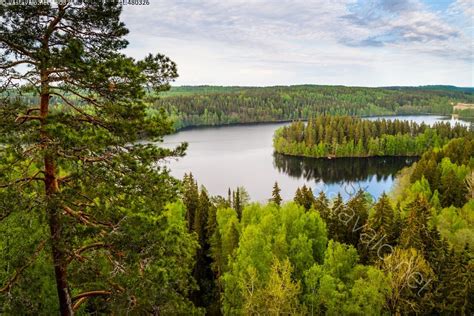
x=333 y=171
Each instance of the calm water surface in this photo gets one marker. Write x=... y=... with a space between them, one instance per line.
x=242 y=155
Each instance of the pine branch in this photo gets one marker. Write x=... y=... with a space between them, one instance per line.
x=84 y=218
x=81 y=298
x=27 y=180
x=87 y=116
x=23 y=118
x=19 y=271
x=78 y=252
x=16 y=63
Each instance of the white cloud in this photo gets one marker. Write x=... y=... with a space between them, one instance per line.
x=388 y=42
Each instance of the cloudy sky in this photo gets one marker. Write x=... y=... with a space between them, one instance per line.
x=283 y=42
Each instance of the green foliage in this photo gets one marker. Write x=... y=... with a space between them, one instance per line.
x=212 y=105
x=456 y=225
x=304 y=197
x=287 y=238
x=454 y=294
x=107 y=234
x=202 y=221
x=447 y=170
x=276 y=197
x=340 y=286
x=345 y=136
x=411 y=279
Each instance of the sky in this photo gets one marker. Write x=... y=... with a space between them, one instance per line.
x=328 y=42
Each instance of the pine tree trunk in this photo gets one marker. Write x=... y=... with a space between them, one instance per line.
x=51 y=188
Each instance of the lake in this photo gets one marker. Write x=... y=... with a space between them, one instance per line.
x=242 y=155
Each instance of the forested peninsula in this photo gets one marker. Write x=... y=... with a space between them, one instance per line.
x=346 y=136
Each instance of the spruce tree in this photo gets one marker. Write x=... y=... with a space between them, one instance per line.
x=321 y=205
x=454 y=294
x=355 y=218
x=453 y=190
x=380 y=230
x=336 y=225
x=276 y=198
x=190 y=199
x=202 y=272
x=416 y=232
x=304 y=197
x=237 y=203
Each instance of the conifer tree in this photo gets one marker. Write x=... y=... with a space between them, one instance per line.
x=237 y=204
x=298 y=197
x=202 y=272
x=304 y=197
x=276 y=198
x=71 y=160
x=380 y=230
x=453 y=190
x=190 y=199
x=321 y=205
x=336 y=225
x=416 y=232
x=355 y=218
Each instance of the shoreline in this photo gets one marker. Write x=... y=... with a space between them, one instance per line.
x=192 y=127
x=348 y=157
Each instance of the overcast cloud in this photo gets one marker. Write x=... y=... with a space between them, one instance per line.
x=280 y=42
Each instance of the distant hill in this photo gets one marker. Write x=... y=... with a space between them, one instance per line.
x=205 y=89
x=219 y=105
x=435 y=88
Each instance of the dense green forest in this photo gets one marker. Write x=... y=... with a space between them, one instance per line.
x=210 y=105
x=92 y=223
x=346 y=136
x=405 y=253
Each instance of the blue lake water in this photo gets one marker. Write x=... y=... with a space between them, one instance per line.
x=242 y=155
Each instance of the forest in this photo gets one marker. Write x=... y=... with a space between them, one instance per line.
x=212 y=105
x=345 y=136
x=92 y=222
x=408 y=252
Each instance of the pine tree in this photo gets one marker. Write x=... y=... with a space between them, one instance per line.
x=72 y=158
x=276 y=198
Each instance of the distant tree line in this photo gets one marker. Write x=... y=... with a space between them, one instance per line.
x=208 y=105
x=345 y=136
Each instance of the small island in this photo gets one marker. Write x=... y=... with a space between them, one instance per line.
x=328 y=136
